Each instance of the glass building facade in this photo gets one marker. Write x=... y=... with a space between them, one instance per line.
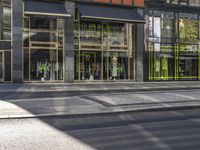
x=60 y=45
x=173 y=43
x=99 y=40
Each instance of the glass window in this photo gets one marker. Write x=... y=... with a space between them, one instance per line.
x=118 y=65
x=188 y=61
x=183 y=2
x=5 y=21
x=104 y=51
x=171 y=59
x=174 y=1
x=43 y=49
x=42 y=23
x=194 y=2
x=188 y=28
x=90 y=65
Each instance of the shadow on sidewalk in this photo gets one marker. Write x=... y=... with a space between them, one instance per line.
x=117 y=131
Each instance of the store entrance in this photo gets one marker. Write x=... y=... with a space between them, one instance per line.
x=1 y=67
x=90 y=65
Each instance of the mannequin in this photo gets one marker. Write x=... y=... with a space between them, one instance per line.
x=114 y=67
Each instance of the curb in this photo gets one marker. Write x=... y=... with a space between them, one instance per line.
x=67 y=115
x=103 y=90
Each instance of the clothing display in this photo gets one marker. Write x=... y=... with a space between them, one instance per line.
x=48 y=70
x=114 y=67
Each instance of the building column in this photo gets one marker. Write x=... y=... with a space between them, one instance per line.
x=139 y=53
x=69 y=44
x=17 y=40
x=139 y=50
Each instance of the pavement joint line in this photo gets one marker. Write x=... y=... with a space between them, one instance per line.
x=99 y=113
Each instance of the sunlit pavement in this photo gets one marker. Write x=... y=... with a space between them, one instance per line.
x=153 y=130
x=16 y=105
x=98 y=86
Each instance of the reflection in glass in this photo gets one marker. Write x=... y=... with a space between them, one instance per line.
x=117 y=65
x=188 y=28
x=5 y=20
x=90 y=65
x=26 y=64
x=42 y=23
x=45 y=65
x=163 y=62
x=173 y=56
x=104 y=51
x=43 y=49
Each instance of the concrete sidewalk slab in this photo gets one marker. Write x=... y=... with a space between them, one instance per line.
x=18 y=112
x=98 y=104
x=98 y=86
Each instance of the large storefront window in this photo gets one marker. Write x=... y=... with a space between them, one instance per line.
x=187 y=53
x=5 y=39
x=43 y=49
x=103 y=51
x=173 y=48
x=160 y=46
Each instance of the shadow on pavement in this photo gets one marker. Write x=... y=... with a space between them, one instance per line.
x=144 y=130
x=151 y=130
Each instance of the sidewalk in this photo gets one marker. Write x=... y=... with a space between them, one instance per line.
x=99 y=86
x=91 y=104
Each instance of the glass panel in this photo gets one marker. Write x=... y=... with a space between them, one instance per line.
x=163 y=62
x=174 y=1
x=44 y=65
x=194 y=2
x=115 y=34
x=44 y=38
x=90 y=65
x=26 y=64
x=183 y=2
x=188 y=28
x=90 y=33
x=188 y=62
x=7 y=60
x=5 y=20
x=26 y=39
x=6 y=23
x=118 y=65
x=1 y=67
x=113 y=39
x=42 y=23
x=60 y=65
x=76 y=69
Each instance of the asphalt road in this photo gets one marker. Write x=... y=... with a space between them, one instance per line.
x=156 y=130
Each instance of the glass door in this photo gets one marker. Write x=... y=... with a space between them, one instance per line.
x=1 y=67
